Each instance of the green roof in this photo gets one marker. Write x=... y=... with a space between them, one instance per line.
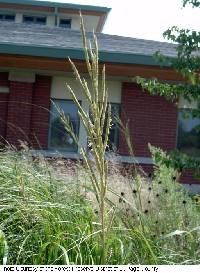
x=57 y=5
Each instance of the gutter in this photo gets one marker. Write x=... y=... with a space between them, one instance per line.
x=57 y=5
x=78 y=54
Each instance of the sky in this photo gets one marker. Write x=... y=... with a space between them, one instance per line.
x=146 y=19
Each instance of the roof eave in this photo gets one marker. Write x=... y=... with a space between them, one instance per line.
x=57 y=5
x=64 y=53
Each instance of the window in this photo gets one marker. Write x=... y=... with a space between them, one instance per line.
x=113 y=139
x=41 y=20
x=28 y=19
x=114 y=130
x=59 y=138
x=34 y=20
x=65 y=23
x=7 y=17
x=188 y=139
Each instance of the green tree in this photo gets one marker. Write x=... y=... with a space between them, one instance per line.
x=187 y=63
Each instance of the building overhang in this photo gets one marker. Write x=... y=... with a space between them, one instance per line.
x=63 y=53
x=113 y=68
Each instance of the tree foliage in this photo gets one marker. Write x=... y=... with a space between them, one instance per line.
x=186 y=63
x=194 y=3
x=188 y=60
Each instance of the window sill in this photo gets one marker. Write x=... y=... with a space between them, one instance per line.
x=109 y=156
x=56 y=154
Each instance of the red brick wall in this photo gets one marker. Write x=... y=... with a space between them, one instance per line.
x=143 y=169
x=40 y=112
x=151 y=120
x=188 y=177
x=19 y=112
x=3 y=115
x=3 y=105
x=24 y=112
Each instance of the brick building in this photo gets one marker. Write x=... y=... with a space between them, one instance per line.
x=36 y=39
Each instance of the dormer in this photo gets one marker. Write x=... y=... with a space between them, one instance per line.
x=53 y=14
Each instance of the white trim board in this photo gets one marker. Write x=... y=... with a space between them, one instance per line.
x=109 y=156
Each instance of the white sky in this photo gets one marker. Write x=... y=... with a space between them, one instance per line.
x=146 y=19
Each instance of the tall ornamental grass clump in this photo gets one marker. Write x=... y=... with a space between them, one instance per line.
x=148 y=218
x=161 y=219
x=97 y=123
x=42 y=218
x=49 y=218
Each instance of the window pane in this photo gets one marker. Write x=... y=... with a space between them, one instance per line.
x=65 y=23
x=34 y=20
x=28 y=19
x=188 y=135
x=9 y=17
x=59 y=137
x=41 y=20
x=114 y=130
